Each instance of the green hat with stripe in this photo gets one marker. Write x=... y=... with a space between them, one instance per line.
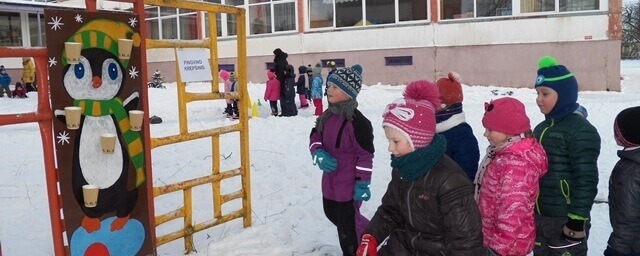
x=561 y=80
x=103 y=34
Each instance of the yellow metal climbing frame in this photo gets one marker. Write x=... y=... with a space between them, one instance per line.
x=214 y=179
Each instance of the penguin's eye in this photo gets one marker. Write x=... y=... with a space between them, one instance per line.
x=113 y=71
x=78 y=69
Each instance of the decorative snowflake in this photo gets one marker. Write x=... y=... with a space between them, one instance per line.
x=132 y=21
x=52 y=62
x=78 y=18
x=133 y=72
x=55 y=23
x=63 y=138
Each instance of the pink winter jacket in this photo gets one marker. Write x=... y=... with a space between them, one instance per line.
x=507 y=197
x=272 y=92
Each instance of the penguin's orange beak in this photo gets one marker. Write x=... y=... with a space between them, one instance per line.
x=96 y=82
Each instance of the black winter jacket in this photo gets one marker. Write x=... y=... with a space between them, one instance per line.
x=434 y=215
x=624 y=203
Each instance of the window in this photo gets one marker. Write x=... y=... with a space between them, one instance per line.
x=36 y=29
x=380 y=11
x=398 y=61
x=260 y=19
x=171 y=23
x=320 y=13
x=10 y=29
x=339 y=63
x=227 y=67
x=488 y=8
x=537 y=6
x=409 y=10
x=355 y=13
x=579 y=5
x=266 y=17
x=461 y=9
x=348 y=13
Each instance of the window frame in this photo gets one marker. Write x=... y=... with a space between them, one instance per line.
x=515 y=11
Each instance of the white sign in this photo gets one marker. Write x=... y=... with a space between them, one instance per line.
x=194 y=65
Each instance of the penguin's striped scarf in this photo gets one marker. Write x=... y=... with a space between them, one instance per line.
x=134 y=143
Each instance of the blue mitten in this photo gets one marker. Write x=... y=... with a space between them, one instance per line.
x=362 y=192
x=324 y=161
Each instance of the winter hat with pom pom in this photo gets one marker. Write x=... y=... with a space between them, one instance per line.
x=414 y=115
x=506 y=115
x=561 y=80
x=349 y=80
x=224 y=75
x=450 y=89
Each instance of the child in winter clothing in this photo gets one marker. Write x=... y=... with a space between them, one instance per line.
x=20 y=91
x=507 y=182
x=234 y=103
x=5 y=81
x=301 y=87
x=224 y=75
x=462 y=145
x=288 y=101
x=624 y=190
x=316 y=89
x=428 y=208
x=572 y=145
x=341 y=144
x=272 y=92
x=309 y=78
x=331 y=65
x=28 y=74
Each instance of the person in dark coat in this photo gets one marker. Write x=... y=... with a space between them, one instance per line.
x=572 y=144
x=302 y=86
x=341 y=145
x=428 y=208
x=624 y=189
x=288 y=100
x=280 y=65
x=462 y=145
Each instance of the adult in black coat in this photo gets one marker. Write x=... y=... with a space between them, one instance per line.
x=280 y=64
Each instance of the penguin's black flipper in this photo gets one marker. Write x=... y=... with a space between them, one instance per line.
x=131 y=103
x=59 y=114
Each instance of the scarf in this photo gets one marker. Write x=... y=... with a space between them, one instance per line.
x=134 y=143
x=491 y=153
x=446 y=113
x=416 y=164
x=344 y=109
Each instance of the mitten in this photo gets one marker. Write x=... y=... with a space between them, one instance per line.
x=361 y=192
x=325 y=162
x=368 y=246
x=573 y=230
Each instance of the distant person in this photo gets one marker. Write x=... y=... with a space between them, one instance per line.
x=507 y=182
x=316 y=89
x=572 y=144
x=28 y=74
x=280 y=65
x=309 y=78
x=341 y=145
x=331 y=66
x=224 y=75
x=302 y=87
x=624 y=188
x=462 y=145
x=234 y=88
x=288 y=101
x=272 y=92
x=20 y=91
x=428 y=208
x=5 y=81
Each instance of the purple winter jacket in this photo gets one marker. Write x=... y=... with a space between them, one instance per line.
x=351 y=144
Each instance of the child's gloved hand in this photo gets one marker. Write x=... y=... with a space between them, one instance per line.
x=326 y=163
x=362 y=192
x=573 y=230
x=368 y=246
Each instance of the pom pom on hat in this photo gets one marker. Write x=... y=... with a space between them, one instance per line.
x=450 y=89
x=506 y=115
x=349 y=80
x=414 y=115
x=547 y=61
x=626 y=128
x=224 y=75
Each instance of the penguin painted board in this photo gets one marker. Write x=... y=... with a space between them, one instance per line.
x=100 y=85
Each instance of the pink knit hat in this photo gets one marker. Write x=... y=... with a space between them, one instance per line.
x=506 y=115
x=224 y=75
x=270 y=74
x=414 y=115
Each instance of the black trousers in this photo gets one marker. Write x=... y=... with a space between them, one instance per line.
x=274 y=107
x=549 y=240
x=342 y=215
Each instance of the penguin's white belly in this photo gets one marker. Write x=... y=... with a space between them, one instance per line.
x=98 y=168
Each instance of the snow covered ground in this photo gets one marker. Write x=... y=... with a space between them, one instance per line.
x=286 y=200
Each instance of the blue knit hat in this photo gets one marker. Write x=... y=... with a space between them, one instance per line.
x=561 y=80
x=349 y=80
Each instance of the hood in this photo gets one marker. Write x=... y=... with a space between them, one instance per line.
x=631 y=155
x=302 y=70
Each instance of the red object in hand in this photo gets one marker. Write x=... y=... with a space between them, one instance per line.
x=368 y=246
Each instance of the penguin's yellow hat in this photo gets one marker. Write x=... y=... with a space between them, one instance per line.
x=103 y=34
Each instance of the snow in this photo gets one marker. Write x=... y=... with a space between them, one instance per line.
x=287 y=215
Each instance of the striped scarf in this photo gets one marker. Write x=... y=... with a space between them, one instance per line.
x=134 y=143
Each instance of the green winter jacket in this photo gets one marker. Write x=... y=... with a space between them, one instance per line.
x=572 y=145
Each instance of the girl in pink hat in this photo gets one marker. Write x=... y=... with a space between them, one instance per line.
x=507 y=180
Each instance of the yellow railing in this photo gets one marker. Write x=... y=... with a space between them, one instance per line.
x=185 y=211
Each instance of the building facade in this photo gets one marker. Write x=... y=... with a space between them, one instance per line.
x=489 y=42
